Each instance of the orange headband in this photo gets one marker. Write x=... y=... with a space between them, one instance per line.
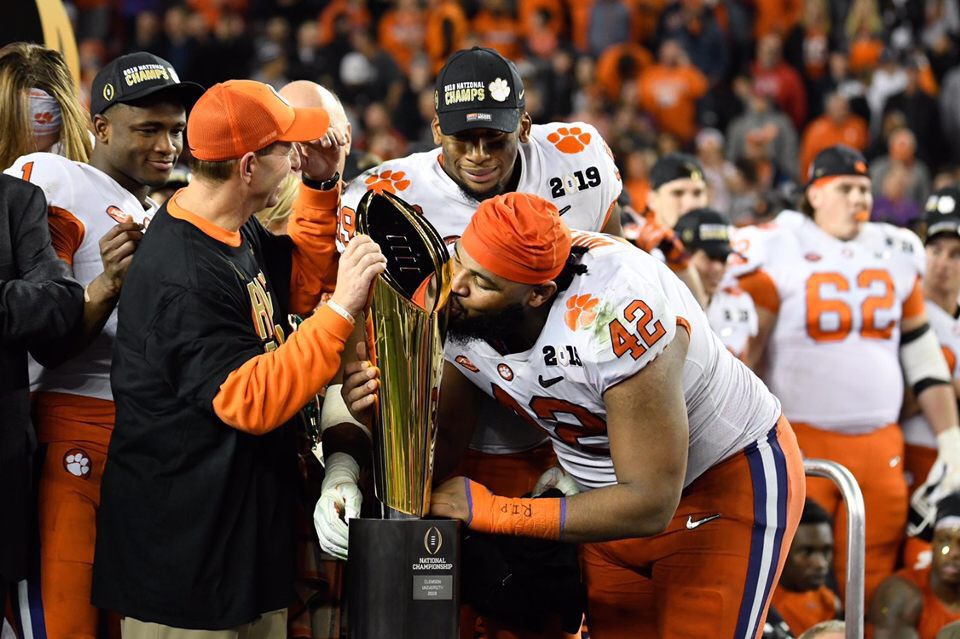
x=519 y=237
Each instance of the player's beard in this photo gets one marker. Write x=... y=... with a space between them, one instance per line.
x=480 y=196
x=491 y=328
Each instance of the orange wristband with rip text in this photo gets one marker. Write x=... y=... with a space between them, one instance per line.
x=542 y=518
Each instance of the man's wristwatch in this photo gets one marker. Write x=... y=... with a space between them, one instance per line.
x=323 y=185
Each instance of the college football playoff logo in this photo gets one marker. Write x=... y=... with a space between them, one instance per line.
x=433 y=540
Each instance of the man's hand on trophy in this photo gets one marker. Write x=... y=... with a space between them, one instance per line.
x=319 y=159
x=361 y=380
x=339 y=502
x=359 y=266
x=449 y=499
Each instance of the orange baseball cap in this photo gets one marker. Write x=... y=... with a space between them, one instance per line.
x=242 y=116
x=518 y=236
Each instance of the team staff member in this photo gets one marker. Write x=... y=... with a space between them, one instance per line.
x=39 y=301
x=842 y=323
x=733 y=317
x=197 y=520
x=919 y=602
x=677 y=186
x=692 y=480
x=96 y=214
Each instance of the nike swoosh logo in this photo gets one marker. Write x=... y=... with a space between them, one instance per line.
x=520 y=95
x=565 y=209
x=691 y=524
x=547 y=383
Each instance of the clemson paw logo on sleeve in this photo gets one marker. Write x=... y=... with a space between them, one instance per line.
x=77 y=463
x=581 y=311
x=390 y=181
x=569 y=140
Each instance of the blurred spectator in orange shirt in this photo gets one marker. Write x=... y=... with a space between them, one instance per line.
x=497 y=28
x=447 y=26
x=775 y=16
x=402 y=31
x=353 y=11
x=807 y=46
x=669 y=91
x=694 y=25
x=212 y=10
x=836 y=126
x=779 y=80
x=636 y=176
x=579 y=12
x=618 y=65
x=540 y=38
x=863 y=29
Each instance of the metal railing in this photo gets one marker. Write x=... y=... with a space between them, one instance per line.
x=856 y=531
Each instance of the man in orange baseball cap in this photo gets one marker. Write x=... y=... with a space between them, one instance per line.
x=198 y=496
x=690 y=481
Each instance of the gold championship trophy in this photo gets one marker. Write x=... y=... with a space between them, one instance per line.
x=403 y=571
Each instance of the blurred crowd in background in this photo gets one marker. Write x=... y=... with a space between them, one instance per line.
x=755 y=88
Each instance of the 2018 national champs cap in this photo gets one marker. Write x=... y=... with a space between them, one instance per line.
x=478 y=89
x=137 y=75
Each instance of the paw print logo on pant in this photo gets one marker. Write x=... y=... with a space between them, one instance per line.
x=581 y=311
x=390 y=181
x=572 y=140
x=77 y=463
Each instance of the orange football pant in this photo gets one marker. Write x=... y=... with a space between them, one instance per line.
x=876 y=461
x=76 y=431
x=712 y=571
x=510 y=475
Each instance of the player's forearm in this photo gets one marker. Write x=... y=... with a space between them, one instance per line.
x=313 y=228
x=939 y=405
x=348 y=439
x=100 y=300
x=269 y=389
x=618 y=512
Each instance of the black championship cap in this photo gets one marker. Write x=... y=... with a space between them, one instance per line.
x=705 y=229
x=942 y=212
x=478 y=89
x=675 y=166
x=137 y=75
x=837 y=160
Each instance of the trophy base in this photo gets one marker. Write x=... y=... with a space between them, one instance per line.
x=403 y=579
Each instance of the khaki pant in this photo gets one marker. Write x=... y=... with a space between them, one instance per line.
x=270 y=625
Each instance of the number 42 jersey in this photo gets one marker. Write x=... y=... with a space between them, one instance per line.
x=606 y=327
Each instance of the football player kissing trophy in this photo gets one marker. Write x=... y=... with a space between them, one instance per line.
x=403 y=571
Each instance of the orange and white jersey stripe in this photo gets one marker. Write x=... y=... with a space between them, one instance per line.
x=833 y=355
x=84 y=203
x=607 y=326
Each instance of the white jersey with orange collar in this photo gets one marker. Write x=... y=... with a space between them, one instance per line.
x=568 y=164
x=916 y=429
x=733 y=317
x=833 y=354
x=606 y=327
x=88 y=203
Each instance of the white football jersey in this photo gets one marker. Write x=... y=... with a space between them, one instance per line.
x=574 y=171
x=98 y=203
x=733 y=317
x=833 y=355
x=568 y=164
x=916 y=429
x=607 y=326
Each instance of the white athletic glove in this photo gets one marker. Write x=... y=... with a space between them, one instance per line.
x=948 y=453
x=339 y=502
x=557 y=478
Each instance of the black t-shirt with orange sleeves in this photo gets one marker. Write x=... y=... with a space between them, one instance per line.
x=196 y=524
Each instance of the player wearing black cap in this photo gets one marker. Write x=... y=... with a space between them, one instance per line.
x=677 y=186
x=97 y=213
x=488 y=145
x=843 y=325
x=705 y=233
